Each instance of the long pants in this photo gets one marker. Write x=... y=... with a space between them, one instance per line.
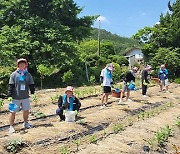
x=144 y=89
x=60 y=113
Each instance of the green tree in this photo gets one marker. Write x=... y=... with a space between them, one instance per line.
x=43 y=71
x=42 y=31
x=67 y=77
x=161 y=42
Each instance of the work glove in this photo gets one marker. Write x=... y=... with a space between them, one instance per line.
x=64 y=111
x=10 y=99
x=76 y=112
x=145 y=83
x=128 y=83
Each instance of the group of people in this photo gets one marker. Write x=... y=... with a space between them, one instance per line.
x=129 y=77
x=21 y=82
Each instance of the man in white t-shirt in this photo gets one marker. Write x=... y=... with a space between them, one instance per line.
x=106 y=81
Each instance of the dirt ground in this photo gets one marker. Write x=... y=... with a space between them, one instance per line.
x=130 y=127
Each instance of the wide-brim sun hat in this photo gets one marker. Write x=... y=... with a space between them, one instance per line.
x=21 y=60
x=69 y=88
x=135 y=68
x=148 y=67
x=162 y=66
x=110 y=67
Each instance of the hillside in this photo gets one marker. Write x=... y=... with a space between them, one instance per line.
x=120 y=43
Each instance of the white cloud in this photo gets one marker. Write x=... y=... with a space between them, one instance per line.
x=102 y=19
x=157 y=23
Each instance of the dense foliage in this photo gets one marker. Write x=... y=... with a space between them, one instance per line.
x=161 y=43
x=54 y=40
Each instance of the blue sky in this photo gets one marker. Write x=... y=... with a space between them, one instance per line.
x=124 y=17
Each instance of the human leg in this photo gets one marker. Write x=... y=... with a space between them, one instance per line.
x=25 y=104
x=60 y=113
x=144 y=89
x=124 y=88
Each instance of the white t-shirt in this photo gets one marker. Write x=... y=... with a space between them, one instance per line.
x=106 y=81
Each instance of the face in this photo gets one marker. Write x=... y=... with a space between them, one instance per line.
x=69 y=93
x=135 y=71
x=22 y=65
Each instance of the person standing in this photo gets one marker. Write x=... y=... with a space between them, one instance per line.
x=128 y=78
x=145 y=80
x=106 y=81
x=163 y=77
x=20 y=83
x=67 y=102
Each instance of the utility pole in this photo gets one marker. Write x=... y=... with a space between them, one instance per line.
x=99 y=37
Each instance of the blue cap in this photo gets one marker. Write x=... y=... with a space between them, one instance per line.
x=12 y=107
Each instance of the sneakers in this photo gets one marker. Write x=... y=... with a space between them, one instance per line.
x=11 y=129
x=129 y=100
x=120 y=101
x=27 y=125
x=102 y=107
x=144 y=96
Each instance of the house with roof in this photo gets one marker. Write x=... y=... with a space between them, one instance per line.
x=134 y=55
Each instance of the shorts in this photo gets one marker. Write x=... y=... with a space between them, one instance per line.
x=23 y=104
x=164 y=82
x=106 y=89
x=125 y=87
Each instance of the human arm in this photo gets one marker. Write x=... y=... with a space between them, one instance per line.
x=32 y=88
x=60 y=102
x=78 y=104
x=10 y=89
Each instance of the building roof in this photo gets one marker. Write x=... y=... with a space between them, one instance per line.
x=134 y=48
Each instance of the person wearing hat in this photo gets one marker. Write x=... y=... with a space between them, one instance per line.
x=163 y=77
x=106 y=81
x=145 y=80
x=20 y=83
x=127 y=79
x=67 y=102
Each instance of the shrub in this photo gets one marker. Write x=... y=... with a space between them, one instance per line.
x=177 y=80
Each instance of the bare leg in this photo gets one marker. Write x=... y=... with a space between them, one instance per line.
x=128 y=94
x=25 y=115
x=12 y=118
x=106 y=96
x=167 y=88
x=102 y=98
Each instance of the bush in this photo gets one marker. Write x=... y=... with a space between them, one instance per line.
x=177 y=80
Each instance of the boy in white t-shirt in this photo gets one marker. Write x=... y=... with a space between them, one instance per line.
x=106 y=80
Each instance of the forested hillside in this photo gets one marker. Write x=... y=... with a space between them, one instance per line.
x=121 y=44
